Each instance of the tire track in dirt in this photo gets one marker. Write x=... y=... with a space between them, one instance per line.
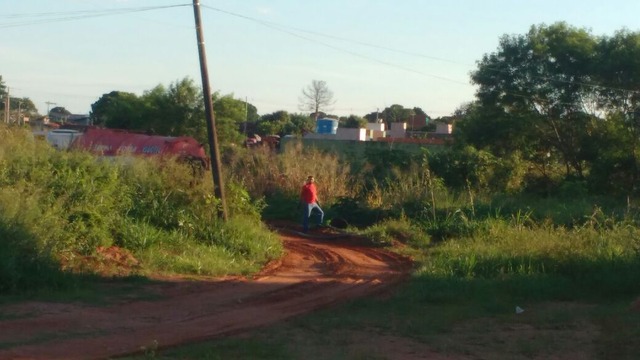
x=314 y=273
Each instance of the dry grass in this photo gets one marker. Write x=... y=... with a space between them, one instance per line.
x=265 y=172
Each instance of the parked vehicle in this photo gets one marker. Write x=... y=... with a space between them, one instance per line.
x=61 y=139
x=113 y=142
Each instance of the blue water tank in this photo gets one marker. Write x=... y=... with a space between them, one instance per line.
x=326 y=126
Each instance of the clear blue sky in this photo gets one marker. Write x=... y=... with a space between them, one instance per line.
x=371 y=53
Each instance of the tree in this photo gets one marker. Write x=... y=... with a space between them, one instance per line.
x=396 y=113
x=176 y=110
x=119 y=110
x=18 y=107
x=618 y=72
x=3 y=88
x=373 y=117
x=24 y=106
x=274 y=123
x=316 y=97
x=353 y=121
x=252 y=113
x=282 y=123
x=539 y=78
x=419 y=111
x=230 y=113
x=59 y=113
x=300 y=125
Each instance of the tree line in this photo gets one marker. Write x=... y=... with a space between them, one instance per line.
x=18 y=107
x=562 y=101
x=178 y=110
x=556 y=106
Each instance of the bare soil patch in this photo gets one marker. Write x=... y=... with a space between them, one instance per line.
x=317 y=271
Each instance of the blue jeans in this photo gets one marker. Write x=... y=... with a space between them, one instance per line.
x=307 y=210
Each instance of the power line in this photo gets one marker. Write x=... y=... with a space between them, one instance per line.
x=269 y=23
x=48 y=17
x=53 y=17
x=282 y=28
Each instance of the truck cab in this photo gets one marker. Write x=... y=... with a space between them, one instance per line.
x=61 y=139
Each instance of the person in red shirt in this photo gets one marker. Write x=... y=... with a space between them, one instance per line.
x=309 y=200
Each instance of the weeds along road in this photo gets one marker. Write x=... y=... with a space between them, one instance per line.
x=314 y=273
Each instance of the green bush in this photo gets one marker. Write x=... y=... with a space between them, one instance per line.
x=387 y=231
x=454 y=224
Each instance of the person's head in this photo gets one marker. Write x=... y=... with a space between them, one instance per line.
x=310 y=179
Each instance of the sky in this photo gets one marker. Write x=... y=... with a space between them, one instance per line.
x=371 y=53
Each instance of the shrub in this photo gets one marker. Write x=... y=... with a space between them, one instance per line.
x=402 y=230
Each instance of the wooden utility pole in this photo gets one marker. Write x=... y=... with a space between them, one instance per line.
x=7 y=107
x=19 y=120
x=216 y=165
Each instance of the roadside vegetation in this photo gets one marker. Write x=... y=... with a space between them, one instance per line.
x=501 y=277
x=67 y=215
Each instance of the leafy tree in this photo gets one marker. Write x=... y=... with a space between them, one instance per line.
x=252 y=113
x=615 y=168
x=419 y=111
x=22 y=107
x=3 y=88
x=539 y=78
x=316 y=97
x=492 y=129
x=396 y=113
x=59 y=113
x=373 y=117
x=353 y=121
x=25 y=106
x=282 y=123
x=462 y=167
x=561 y=95
x=176 y=110
x=119 y=110
x=274 y=123
x=618 y=71
x=300 y=125
x=229 y=113
x=391 y=114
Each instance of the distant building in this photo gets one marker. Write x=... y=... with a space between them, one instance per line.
x=398 y=132
x=443 y=128
x=79 y=119
x=417 y=122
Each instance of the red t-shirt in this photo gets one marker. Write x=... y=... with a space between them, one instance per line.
x=308 y=193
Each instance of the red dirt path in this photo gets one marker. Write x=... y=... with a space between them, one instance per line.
x=314 y=273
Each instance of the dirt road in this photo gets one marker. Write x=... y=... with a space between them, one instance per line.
x=315 y=273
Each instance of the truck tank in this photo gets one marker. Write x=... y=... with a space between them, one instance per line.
x=112 y=142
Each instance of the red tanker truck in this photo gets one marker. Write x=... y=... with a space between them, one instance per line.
x=113 y=142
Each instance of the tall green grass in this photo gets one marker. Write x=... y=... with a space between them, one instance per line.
x=58 y=208
x=591 y=260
